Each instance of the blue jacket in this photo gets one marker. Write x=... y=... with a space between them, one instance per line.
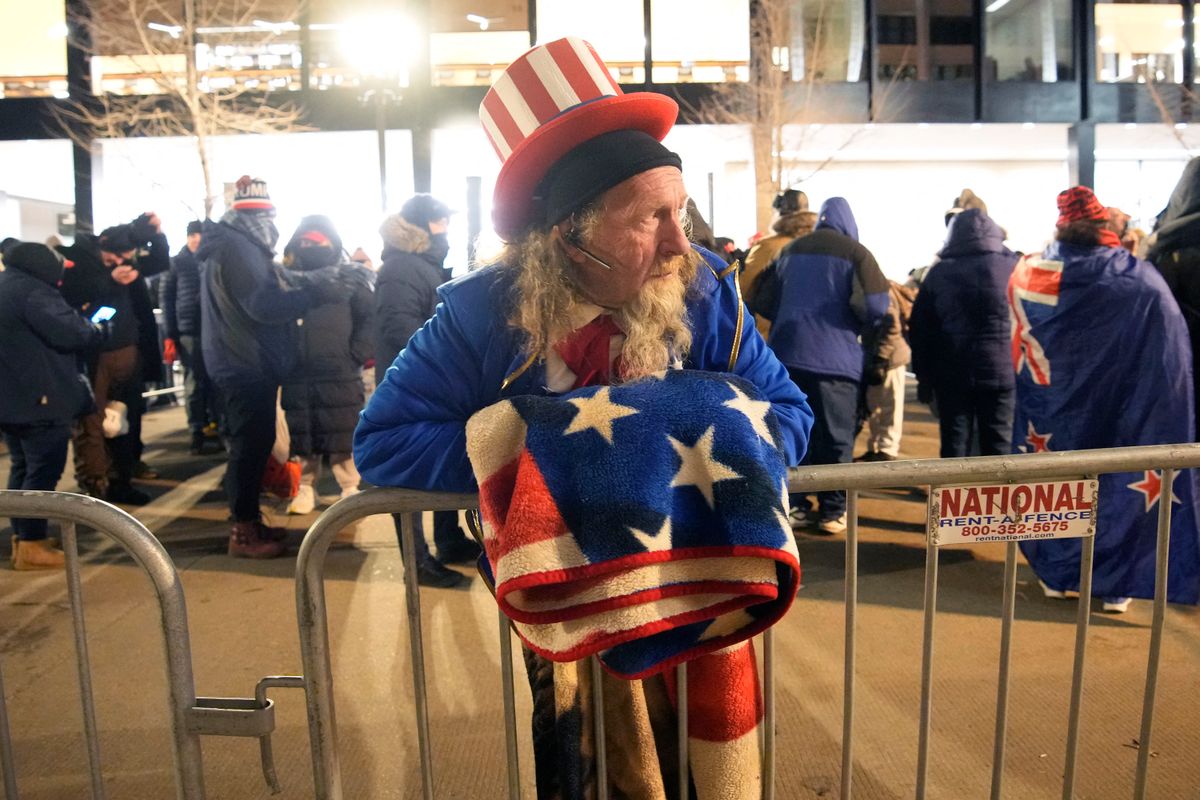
x=413 y=431
x=959 y=329
x=40 y=334
x=826 y=291
x=248 y=311
x=179 y=295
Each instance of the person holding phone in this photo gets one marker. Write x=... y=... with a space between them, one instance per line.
x=41 y=388
x=111 y=270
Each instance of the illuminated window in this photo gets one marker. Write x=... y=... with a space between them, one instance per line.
x=700 y=41
x=254 y=48
x=614 y=28
x=33 y=49
x=936 y=44
x=1028 y=40
x=353 y=45
x=825 y=39
x=472 y=41
x=1139 y=42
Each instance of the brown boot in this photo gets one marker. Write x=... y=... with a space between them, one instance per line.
x=246 y=541
x=272 y=534
x=35 y=554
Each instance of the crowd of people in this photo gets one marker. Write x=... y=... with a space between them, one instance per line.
x=269 y=344
x=519 y=381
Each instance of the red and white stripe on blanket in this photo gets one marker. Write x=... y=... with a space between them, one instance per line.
x=646 y=523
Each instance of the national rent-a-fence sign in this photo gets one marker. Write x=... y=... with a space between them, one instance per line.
x=1012 y=512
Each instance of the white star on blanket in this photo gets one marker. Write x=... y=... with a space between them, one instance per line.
x=699 y=468
x=655 y=541
x=597 y=413
x=755 y=411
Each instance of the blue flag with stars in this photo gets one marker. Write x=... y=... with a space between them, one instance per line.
x=1103 y=360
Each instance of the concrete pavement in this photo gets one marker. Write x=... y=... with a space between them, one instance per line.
x=243 y=626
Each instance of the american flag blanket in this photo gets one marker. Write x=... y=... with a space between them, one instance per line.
x=646 y=523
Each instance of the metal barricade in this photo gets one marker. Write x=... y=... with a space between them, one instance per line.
x=935 y=473
x=190 y=716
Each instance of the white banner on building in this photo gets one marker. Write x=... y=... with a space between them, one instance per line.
x=1010 y=512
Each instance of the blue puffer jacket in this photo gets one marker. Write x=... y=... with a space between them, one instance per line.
x=248 y=312
x=179 y=295
x=413 y=431
x=827 y=291
x=959 y=329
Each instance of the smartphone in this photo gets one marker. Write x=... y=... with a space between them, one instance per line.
x=104 y=313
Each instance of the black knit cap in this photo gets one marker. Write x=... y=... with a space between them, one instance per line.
x=594 y=167
x=422 y=209
x=35 y=259
x=118 y=239
x=195 y=226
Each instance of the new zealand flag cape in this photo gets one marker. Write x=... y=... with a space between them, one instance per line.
x=1103 y=360
x=646 y=523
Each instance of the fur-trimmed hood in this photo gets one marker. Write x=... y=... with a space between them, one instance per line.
x=796 y=224
x=400 y=234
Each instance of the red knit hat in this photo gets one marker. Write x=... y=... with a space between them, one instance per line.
x=551 y=99
x=1079 y=203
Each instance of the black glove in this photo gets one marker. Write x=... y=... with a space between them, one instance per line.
x=325 y=285
x=875 y=374
x=143 y=230
x=103 y=331
x=924 y=393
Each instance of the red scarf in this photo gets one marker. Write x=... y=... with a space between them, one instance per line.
x=587 y=352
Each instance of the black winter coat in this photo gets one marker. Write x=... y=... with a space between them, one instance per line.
x=248 y=309
x=40 y=336
x=1175 y=252
x=959 y=329
x=323 y=395
x=406 y=289
x=87 y=285
x=179 y=295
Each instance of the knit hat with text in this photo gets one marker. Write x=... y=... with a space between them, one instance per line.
x=250 y=194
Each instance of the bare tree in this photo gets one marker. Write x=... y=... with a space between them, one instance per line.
x=789 y=55
x=184 y=87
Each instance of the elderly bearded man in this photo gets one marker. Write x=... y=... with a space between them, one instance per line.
x=597 y=285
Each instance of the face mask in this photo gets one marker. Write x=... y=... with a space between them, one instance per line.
x=308 y=258
x=439 y=246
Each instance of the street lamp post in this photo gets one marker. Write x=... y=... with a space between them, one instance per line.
x=379 y=48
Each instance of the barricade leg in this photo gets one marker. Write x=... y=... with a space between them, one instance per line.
x=1082 y=616
x=598 y=730
x=510 y=709
x=769 y=714
x=681 y=697
x=931 y=568
x=412 y=595
x=70 y=545
x=1156 y=631
x=851 y=580
x=1006 y=624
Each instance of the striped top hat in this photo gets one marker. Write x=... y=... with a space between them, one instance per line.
x=553 y=98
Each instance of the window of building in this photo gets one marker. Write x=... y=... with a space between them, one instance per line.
x=236 y=48
x=33 y=49
x=353 y=45
x=700 y=41
x=615 y=29
x=1028 y=40
x=472 y=41
x=1139 y=42
x=826 y=40
x=930 y=40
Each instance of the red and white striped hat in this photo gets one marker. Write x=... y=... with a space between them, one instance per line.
x=556 y=96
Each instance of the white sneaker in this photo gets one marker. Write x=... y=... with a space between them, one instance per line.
x=831 y=526
x=1116 y=605
x=799 y=517
x=304 y=502
x=1066 y=594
